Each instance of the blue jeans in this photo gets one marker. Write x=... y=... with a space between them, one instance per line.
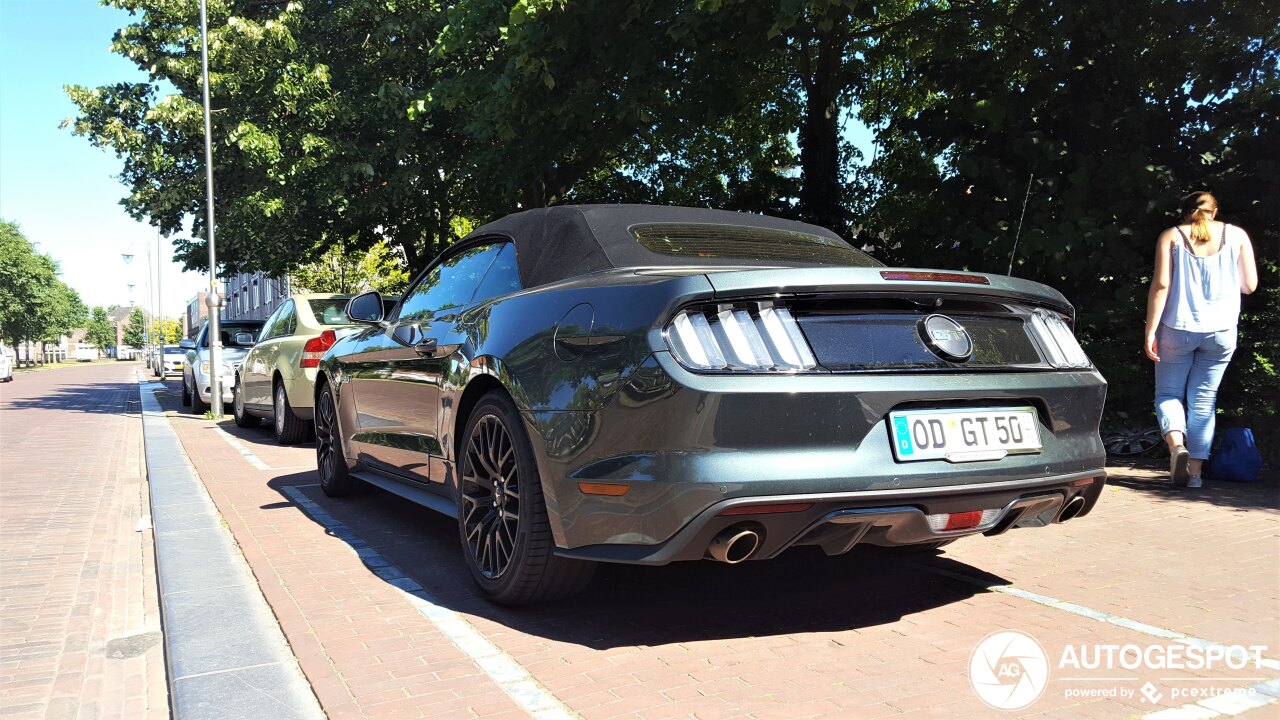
x=1187 y=377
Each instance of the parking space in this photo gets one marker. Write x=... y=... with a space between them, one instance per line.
x=374 y=599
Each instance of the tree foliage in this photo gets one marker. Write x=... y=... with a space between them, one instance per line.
x=168 y=330
x=135 y=332
x=1068 y=129
x=99 y=331
x=35 y=306
x=337 y=271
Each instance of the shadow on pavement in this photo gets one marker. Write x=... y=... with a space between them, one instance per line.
x=1152 y=477
x=107 y=398
x=802 y=591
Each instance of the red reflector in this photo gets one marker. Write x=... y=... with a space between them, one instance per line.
x=934 y=277
x=1086 y=481
x=315 y=347
x=767 y=509
x=963 y=520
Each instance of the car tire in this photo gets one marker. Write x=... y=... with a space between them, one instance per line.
x=198 y=406
x=290 y=429
x=243 y=418
x=335 y=478
x=495 y=451
x=186 y=393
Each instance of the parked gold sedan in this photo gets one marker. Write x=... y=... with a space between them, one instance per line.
x=277 y=378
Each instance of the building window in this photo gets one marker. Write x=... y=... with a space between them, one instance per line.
x=257 y=297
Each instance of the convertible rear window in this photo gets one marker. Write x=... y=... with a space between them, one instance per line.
x=748 y=243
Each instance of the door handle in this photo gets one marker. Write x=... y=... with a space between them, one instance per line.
x=427 y=346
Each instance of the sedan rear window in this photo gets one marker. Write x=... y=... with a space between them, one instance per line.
x=748 y=243
x=330 y=311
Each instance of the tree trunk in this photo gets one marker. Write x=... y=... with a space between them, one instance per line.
x=820 y=201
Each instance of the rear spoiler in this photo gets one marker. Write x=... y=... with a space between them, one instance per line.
x=880 y=280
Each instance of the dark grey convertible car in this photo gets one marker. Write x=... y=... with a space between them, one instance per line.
x=649 y=384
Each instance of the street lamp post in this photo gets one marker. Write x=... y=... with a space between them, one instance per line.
x=213 y=300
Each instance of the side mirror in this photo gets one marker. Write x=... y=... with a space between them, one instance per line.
x=244 y=338
x=187 y=344
x=366 y=308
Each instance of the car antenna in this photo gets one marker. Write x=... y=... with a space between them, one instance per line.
x=1018 y=235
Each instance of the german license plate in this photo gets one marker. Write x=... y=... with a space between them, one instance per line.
x=963 y=435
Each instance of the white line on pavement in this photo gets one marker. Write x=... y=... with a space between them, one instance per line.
x=510 y=675
x=1228 y=704
x=240 y=448
x=1233 y=651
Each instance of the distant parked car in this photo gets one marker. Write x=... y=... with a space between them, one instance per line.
x=6 y=364
x=237 y=337
x=277 y=378
x=170 y=360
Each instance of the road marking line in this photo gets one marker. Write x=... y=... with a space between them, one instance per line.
x=1101 y=616
x=240 y=448
x=510 y=675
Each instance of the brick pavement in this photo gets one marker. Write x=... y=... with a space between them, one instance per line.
x=79 y=624
x=867 y=635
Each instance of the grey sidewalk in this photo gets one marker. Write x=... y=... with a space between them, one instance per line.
x=227 y=657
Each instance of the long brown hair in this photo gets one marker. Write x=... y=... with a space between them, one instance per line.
x=1197 y=209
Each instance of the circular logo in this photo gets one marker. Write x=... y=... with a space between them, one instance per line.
x=946 y=338
x=1008 y=670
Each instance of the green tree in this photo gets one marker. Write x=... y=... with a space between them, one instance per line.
x=135 y=333
x=99 y=331
x=337 y=271
x=168 y=330
x=35 y=306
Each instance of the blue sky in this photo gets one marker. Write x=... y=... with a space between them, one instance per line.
x=60 y=189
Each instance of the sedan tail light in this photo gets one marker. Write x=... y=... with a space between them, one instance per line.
x=743 y=337
x=315 y=348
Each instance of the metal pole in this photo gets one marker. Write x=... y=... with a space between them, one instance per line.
x=213 y=300
x=159 y=302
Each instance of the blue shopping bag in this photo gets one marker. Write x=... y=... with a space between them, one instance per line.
x=1238 y=458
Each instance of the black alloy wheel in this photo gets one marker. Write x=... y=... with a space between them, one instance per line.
x=490 y=497
x=331 y=464
x=502 y=516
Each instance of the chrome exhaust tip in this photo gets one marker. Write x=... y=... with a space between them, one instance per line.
x=1072 y=509
x=733 y=545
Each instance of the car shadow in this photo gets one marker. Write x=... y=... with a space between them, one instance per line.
x=1152 y=477
x=626 y=605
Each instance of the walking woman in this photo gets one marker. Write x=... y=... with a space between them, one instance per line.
x=1202 y=267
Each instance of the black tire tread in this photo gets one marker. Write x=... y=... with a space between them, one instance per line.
x=543 y=576
x=241 y=415
x=294 y=430
x=342 y=483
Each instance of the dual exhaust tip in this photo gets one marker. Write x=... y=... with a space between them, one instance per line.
x=739 y=542
x=1073 y=508
x=734 y=544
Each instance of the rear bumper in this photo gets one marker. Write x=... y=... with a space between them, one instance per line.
x=685 y=445
x=838 y=522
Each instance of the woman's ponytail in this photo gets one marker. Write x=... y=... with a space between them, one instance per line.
x=1197 y=209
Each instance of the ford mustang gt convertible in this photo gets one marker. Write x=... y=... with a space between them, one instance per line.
x=636 y=384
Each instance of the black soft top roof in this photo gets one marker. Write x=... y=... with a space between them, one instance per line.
x=566 y=241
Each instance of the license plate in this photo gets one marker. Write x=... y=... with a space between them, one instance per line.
x=963 y=435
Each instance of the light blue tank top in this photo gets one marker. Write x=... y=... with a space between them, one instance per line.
x=1204 y=292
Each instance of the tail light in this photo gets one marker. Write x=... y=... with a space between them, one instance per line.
x=745 y=337
x=1058 y=341
x=316 y=347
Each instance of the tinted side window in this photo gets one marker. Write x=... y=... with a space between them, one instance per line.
x=449 y=284
x=503 y=276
